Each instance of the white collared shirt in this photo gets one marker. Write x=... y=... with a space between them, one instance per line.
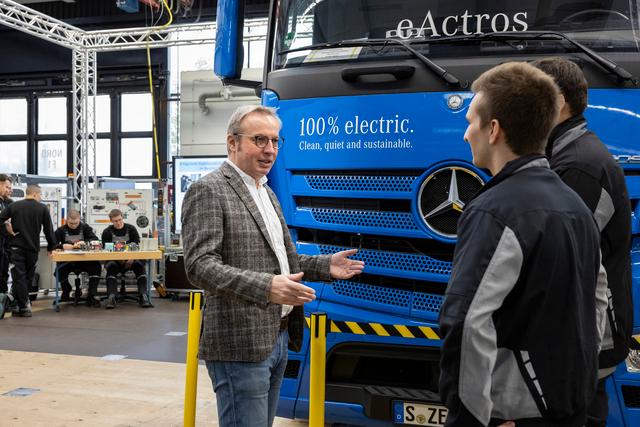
x=270 y=218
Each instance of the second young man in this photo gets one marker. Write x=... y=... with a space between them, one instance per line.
x=523 y=313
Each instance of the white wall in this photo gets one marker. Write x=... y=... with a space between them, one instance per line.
x=205 y=134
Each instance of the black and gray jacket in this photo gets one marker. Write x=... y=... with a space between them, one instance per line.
x=83 y=232
x=585 y=165
x=523 y=312
x=127 y=234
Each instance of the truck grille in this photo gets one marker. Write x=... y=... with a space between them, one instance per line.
x=392 y=202
x=411 y=300
x=397 y=184
x=387 y=220
x=395 y=260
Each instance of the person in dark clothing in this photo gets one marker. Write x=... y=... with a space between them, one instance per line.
x=119 y=231
x=523 y=314
x=74 y=235
x=5 y=201
x=28 y=217
x=582 y=161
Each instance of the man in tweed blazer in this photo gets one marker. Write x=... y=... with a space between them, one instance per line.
x=238 y=249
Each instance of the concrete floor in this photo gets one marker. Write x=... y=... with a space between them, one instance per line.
x=61 y=356
x=84 y=331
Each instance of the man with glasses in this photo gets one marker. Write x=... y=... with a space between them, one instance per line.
x=238 y=249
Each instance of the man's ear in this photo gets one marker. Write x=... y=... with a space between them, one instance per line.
x=495 y=131
x=564 y=109
x=562 y=102
x=231 y=143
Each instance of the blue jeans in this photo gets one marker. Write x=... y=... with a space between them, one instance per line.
x=247 y=392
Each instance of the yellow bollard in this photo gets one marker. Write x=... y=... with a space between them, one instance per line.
x=317 y=367
x=193 y=338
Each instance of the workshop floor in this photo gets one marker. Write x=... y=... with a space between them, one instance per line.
x=96 y=367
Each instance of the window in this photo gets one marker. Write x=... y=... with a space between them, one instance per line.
x=36 y=133
x=52 y=116
x=103 y=157
x=136 y=135
x=52 y=158
x=13 y=116
x=13 y=129
x=136 y=158
x=103 y=114
x=14 y=157
x=136 y=112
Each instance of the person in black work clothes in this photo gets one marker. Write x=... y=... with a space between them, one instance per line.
x=584 y=164
x=74 y=235
x=5 y=200
x=119 y=231
x=524 y=311
x=28 y=217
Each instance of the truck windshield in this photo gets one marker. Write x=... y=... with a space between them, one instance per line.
x=605 y=26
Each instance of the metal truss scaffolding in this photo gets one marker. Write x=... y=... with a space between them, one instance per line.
x=85 y=79
x=19 y=17
x=85 y=45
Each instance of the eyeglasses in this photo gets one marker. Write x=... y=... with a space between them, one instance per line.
x=261 y=141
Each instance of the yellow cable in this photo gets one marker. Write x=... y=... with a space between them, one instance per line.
x=153 y=102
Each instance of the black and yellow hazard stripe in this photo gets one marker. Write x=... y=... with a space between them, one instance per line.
x=637 y=338
x=382 y=330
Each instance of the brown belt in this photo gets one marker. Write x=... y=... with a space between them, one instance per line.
x=284 y=323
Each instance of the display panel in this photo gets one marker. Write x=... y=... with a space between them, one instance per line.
x=186 y=171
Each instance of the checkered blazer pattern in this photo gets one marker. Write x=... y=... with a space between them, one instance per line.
x=228 y=253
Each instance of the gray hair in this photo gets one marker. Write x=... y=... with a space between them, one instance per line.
x=241 y=112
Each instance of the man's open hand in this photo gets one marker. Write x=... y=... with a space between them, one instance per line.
x=344 y=268
x=287 y=289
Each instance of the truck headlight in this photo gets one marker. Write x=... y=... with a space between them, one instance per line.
x=633 y=361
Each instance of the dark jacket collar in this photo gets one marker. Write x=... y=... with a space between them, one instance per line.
x=515 y=166
x=561 y=129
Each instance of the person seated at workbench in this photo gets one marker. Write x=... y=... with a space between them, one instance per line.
x=119 y=231
x=75 y=234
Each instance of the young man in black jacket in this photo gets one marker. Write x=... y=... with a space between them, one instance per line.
x=584 y=164
x=523 y=313
x=5 y=200
x=119 y=231
x=74 y=235
x=28 y=217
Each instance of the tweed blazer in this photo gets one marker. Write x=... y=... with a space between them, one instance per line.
x=228 y=253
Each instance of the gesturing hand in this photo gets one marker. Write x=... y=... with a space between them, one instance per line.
x=286 y=289
x=344 y=268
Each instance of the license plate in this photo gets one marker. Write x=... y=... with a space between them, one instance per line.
x=419 y=414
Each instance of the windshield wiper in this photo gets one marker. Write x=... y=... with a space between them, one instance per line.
x=605 y=63
x=435 y=68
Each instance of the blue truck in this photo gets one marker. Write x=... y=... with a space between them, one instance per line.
x=373 y=96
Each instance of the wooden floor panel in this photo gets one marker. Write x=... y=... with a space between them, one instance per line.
x=89 y=391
